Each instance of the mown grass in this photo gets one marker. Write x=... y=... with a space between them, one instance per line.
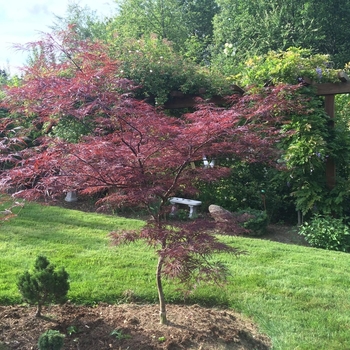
x=299 y=296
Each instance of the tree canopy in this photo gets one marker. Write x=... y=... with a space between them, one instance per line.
x=175 y=21
x=77 y=79
x=132 y=154
x=252 y=28
x=255 y=28
x=80 y=120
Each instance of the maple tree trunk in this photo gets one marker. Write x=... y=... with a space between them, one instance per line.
x=162 y=309
x=38 y=310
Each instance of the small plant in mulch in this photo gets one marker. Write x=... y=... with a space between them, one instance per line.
x=51 y=340
x=118 y=334
x=44 y=285
x=72 y=330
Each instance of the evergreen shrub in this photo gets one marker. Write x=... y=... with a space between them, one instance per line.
x=51 y=340
x=44 y=285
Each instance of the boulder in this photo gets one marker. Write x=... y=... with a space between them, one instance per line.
x=220 y=214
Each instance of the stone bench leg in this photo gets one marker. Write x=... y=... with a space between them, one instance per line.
x=192 y=211
x=71 y=196
x=174 y=209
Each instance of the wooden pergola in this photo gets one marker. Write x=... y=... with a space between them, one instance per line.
x=328 y=90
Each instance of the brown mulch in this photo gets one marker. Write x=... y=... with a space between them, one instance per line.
x=136 y=327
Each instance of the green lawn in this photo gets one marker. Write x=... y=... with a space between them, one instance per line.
x=299 y=296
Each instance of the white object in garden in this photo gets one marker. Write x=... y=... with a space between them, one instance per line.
x=191 y=203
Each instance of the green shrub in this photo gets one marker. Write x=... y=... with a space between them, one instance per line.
x=51 y=340
x=183 y=215
x=44 y=285
x=256 y=222
x=326 y=232
x=246 y=186
x=159 y=70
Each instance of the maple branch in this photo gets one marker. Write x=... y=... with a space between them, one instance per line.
x=68 y=55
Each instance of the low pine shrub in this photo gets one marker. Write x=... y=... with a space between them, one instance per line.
x=51 y=340
x=326 y=232
x=44 y=285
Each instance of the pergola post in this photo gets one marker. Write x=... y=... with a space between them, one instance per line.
x=329 y=90
x=330 y=164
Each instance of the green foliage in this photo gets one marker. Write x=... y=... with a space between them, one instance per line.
x=72 y=330
x=243 y=188
x=305 y=155
x=257 y=221
x=71 y=129
x=174 y=20
x=308 y=145
x=182 y=214
x=154 y=65
x=4 y=77
x=238 y=191
x=165 y=18
x=257 y=27
x=51 y=340
x=308 y=142
x=44 y=285
x=331 y=36
x=196 y=49
x=326 y=232
x=87 y=24
x=289 y=66
x=118 y=334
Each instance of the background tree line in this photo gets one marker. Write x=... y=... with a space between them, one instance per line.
x=199 y=30
x=194 y=47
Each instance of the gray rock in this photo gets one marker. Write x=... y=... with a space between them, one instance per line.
x=220 y=214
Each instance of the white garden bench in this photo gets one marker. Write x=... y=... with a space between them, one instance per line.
x=192 y=204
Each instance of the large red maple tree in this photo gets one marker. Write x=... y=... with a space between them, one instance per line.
x=135 y=154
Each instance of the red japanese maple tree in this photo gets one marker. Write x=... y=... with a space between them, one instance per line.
x=135 y=154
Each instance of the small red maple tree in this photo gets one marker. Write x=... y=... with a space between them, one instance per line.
x=135 y=155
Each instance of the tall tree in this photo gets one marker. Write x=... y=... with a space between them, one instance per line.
x=260 y=26
x=256 y=27
x=88 y=24
x=136 y=155
x=175 y=21
x=333 y=38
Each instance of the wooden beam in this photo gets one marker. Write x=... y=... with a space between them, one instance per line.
x=237 y=89
x=180 y=100
x=325 y=89
x=190 y=101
